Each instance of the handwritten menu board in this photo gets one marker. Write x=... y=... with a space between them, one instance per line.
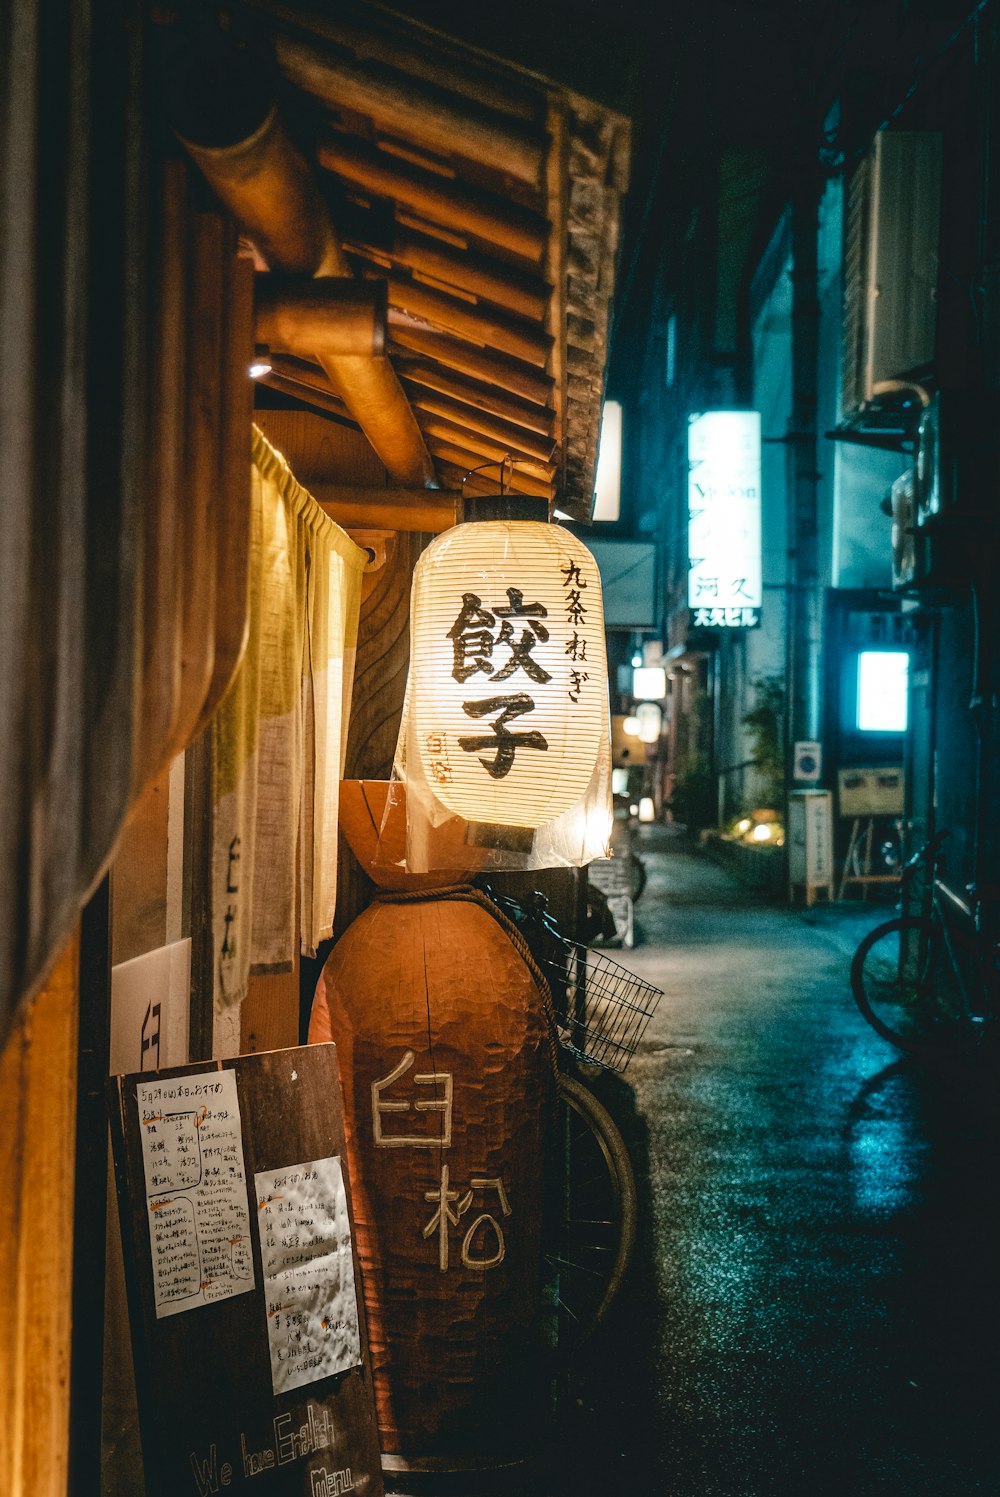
x=248 y=1329
x=196 y=1190
x=312 y=1302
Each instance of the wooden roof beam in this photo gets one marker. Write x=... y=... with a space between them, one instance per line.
x=389 y=509
x=268 y=186
x=321 y=318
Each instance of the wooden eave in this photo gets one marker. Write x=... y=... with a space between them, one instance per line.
x=490 y=201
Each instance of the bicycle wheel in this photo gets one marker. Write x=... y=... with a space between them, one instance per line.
x=917 y=990
x=596 y=1231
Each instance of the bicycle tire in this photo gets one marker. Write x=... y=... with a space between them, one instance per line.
x=599 y=1216
x=905 y=983
x=637 y=876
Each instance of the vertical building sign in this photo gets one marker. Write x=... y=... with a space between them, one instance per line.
x=724 y=562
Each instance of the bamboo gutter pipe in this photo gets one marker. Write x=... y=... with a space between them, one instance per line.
x=330 y=317
x=268 y=186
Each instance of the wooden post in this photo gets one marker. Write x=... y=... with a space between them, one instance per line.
x=90 y=1192
x=37 y=1139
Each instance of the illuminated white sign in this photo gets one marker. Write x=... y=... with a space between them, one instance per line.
x=724 y=571
x=883 y=691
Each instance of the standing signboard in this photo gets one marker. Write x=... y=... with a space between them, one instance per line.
x=248 y=1332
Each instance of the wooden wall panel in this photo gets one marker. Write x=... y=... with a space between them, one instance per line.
x=139 y=876
x=269 y=1017
x=316 y=448
x=37 y=1144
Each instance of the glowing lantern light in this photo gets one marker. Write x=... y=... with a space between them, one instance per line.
x=631 y=727
x=650 y=682
x=650 y=721
x=647 y=810
x=506 y=722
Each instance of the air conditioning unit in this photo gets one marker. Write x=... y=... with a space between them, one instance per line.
x=890 y=267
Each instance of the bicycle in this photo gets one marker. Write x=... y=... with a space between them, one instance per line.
x=927 y=982
x=600 y=1011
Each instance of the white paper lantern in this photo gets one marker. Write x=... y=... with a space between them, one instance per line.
x=650 y=721
x=507 y=703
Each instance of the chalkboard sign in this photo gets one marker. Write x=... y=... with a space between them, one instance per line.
x=247 y=1316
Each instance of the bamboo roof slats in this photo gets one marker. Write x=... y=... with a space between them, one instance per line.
x=516 y=439
x=430 y=57
x=478 y=323
x=465 y=458
x=437 y=197
x=316 y=396
x=527 y=381
x=409 y=108
x=483 y=397
x=450 y=270
x=488 y=199
x=486 y=447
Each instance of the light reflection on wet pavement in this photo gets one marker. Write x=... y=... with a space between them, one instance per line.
x=813 y=1308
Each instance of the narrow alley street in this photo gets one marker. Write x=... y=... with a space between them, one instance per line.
x=813 y=1307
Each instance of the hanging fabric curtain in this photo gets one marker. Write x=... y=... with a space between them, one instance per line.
x=280 y=735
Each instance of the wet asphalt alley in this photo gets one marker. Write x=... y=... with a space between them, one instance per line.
x=814 y=1305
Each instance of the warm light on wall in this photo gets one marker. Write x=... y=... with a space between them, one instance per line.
x=607 y=485
x=508 y=697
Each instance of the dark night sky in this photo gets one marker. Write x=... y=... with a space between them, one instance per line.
x=700 y=75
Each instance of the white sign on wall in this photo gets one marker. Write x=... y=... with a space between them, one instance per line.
x=724 y=561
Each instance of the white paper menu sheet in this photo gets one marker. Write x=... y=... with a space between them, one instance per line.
x=196 y=1190
x=305 y=1248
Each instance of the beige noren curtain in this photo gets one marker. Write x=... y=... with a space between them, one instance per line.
x=280 y=735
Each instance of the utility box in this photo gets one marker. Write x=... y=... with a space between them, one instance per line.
x=810 y=844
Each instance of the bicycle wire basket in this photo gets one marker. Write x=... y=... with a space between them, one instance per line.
x=601 y=1009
